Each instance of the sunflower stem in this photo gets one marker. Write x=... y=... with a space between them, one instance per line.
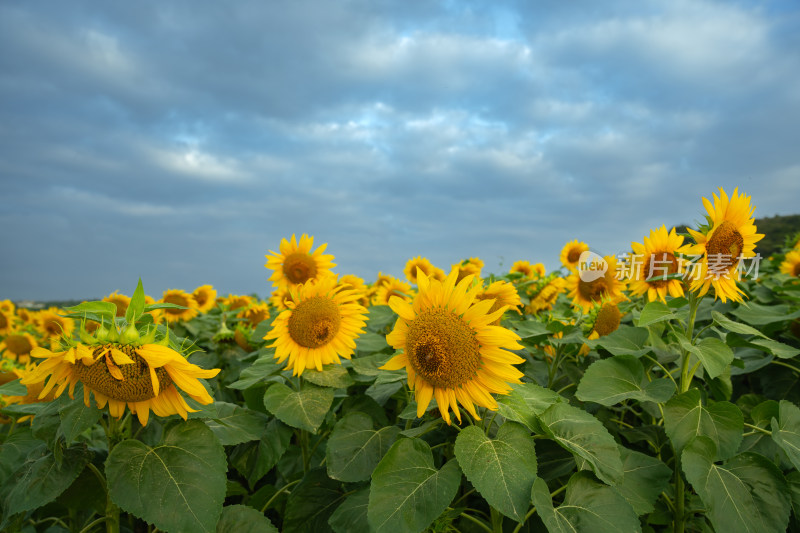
x=497 y=520
x=116 y=431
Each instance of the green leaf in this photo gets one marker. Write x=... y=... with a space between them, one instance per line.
x=351 y=515
x=255 y=458
x=778 y=349
x=622 y=377
x=585 y=436
x=178 y=485
x=793 y=480
x=136 y=305
x=529 y=329
x=243 y=519
x=235 y=425
x=41 y=479
x=354 y=448
x=380 y=317
x=407 y=491
x=685 y=417
x=654 y=312
x=303 y=409
x=370 y=342
x=312 y=502
x=524 y=402
x=15 y=449
x=257 y=374
x=761 y=315
x=786 y=431
x=747 y=494
x=103 y=310
x=13 y=388
x=645 y=479
x=714 y=354
x=502 y=469
x=736 y=327
x=335 y=376
x=588 y=507
x=369 y=365
x=626 y=340
x=77 y=418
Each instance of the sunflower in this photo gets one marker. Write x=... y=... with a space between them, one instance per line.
x=278 y=298
x=7 y=306
x=26 y=315
x=584 y=294
x=144 y=378
x=547 y=296
x=394 y=287
x=571 y=253
x=206 y=298
x=353 y=282
x=6 y=322
x=18 y=346
x=234 y=301
x=465 y=267
x=297 y=263
x=450 y=350
x=420 y=263
x=255 y=314
x=382 y=279
x=604 y=320
x=52 y=325
x=182 y=298
x=504 y=295
x=791 y=264
x=655 y=260
x=731 y=237
x=120 y=300
x=320 y=326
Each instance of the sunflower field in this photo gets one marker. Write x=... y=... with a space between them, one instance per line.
x=655 y=390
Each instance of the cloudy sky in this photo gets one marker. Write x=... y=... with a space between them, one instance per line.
x=180 y=141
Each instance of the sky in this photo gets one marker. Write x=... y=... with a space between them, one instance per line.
x=180 y=141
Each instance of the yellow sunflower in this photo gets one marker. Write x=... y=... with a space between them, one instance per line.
x=144 y=378
x=571 y=253
x=52 y=325
x=182 y=298
x=791 y=263
x=255 y=314
x=422 y=264
x=450 y=350
x=353 y=282
x=382 y=279
x=320 y=326
x=504 y=295
x=206 y=298
x=604 y=320
x=234 y=301
x=653 y=261
x=466 y=267
x=547 y=296
x=731 y=237
x=120 y=300
x=18 y=346
x=394 y=287
x=296 y=263
x=7 y=306
x=6 y=322
x=278 y=298
x=26 y=315
x=584 y=294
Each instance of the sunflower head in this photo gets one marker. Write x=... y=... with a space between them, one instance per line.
x=421 y=264
x=296 y=263
x=7 y=306
x=52 y=324
x=585 y=292
x=255 y=314
x=654 y=264
x=547 y=293
x=449 y=347
x=120 y=300
x=504 y=295
x=467 y=267
x=206 y=297
x=393 y=287
x=235 y=301
x=6 y=322
x=571 y=253
x=790 y=264
x=278 y=298
x=17 y=346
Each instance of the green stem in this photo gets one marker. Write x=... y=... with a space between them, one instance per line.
x=757 y=429
x=781 y=363
x=278 y=493
x=115 y=433
x=497 y=520
x=529 y=514
x=90 y=527
x=477 y=522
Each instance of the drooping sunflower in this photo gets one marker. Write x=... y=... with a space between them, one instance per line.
x=731 y=236
x=466 y=267
x=52 y=325
x=652 y=262
x=571 y=253
x=320 y=325
x=393 y=287
x=296 y=263
x=422 y=264
x=450 y=350
x=504 y=295
x=120 y=300
x=182 y=298
x=142 y=377
x=206 y=298
x=791 y=263
x=608 y=287
x=17 y=346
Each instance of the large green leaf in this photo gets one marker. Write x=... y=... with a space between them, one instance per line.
x=40 y=479
x=645 y=478
x=234 y=424
x=747 y=494
x=622 y=377
x=351 y=515
x=524 y=402
x=255 y=458
x=244 y=519
x=178 y=485
x=786 y=431
x=685 y=417
x=369 y=342
x=77 y=418
x=335 y=376
x=760 y=315
x=626 y=340
x=793 y=480
x=303 y=409
x=714 y=354
x=502 y=469
x=407 y=491
x=15 y=449
x=654 y=312
x=586 y=437
x=588 y=507
x=312 y=502
x=262 y=369
x=355 y=448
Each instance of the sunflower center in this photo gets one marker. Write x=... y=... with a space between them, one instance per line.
x=795 y=273
x=18 y=344
x=659 y=265
x=592 y=291
x=574 y=255
x=3 y=321
x=724 y=246
x=136 y=385
x=442 y=348
x=607 y=320
x=299 y=267
x=52 y=327
x=176 y=299
x=314 y=322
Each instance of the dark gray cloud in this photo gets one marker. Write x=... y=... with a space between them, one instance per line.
x=180 y=141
